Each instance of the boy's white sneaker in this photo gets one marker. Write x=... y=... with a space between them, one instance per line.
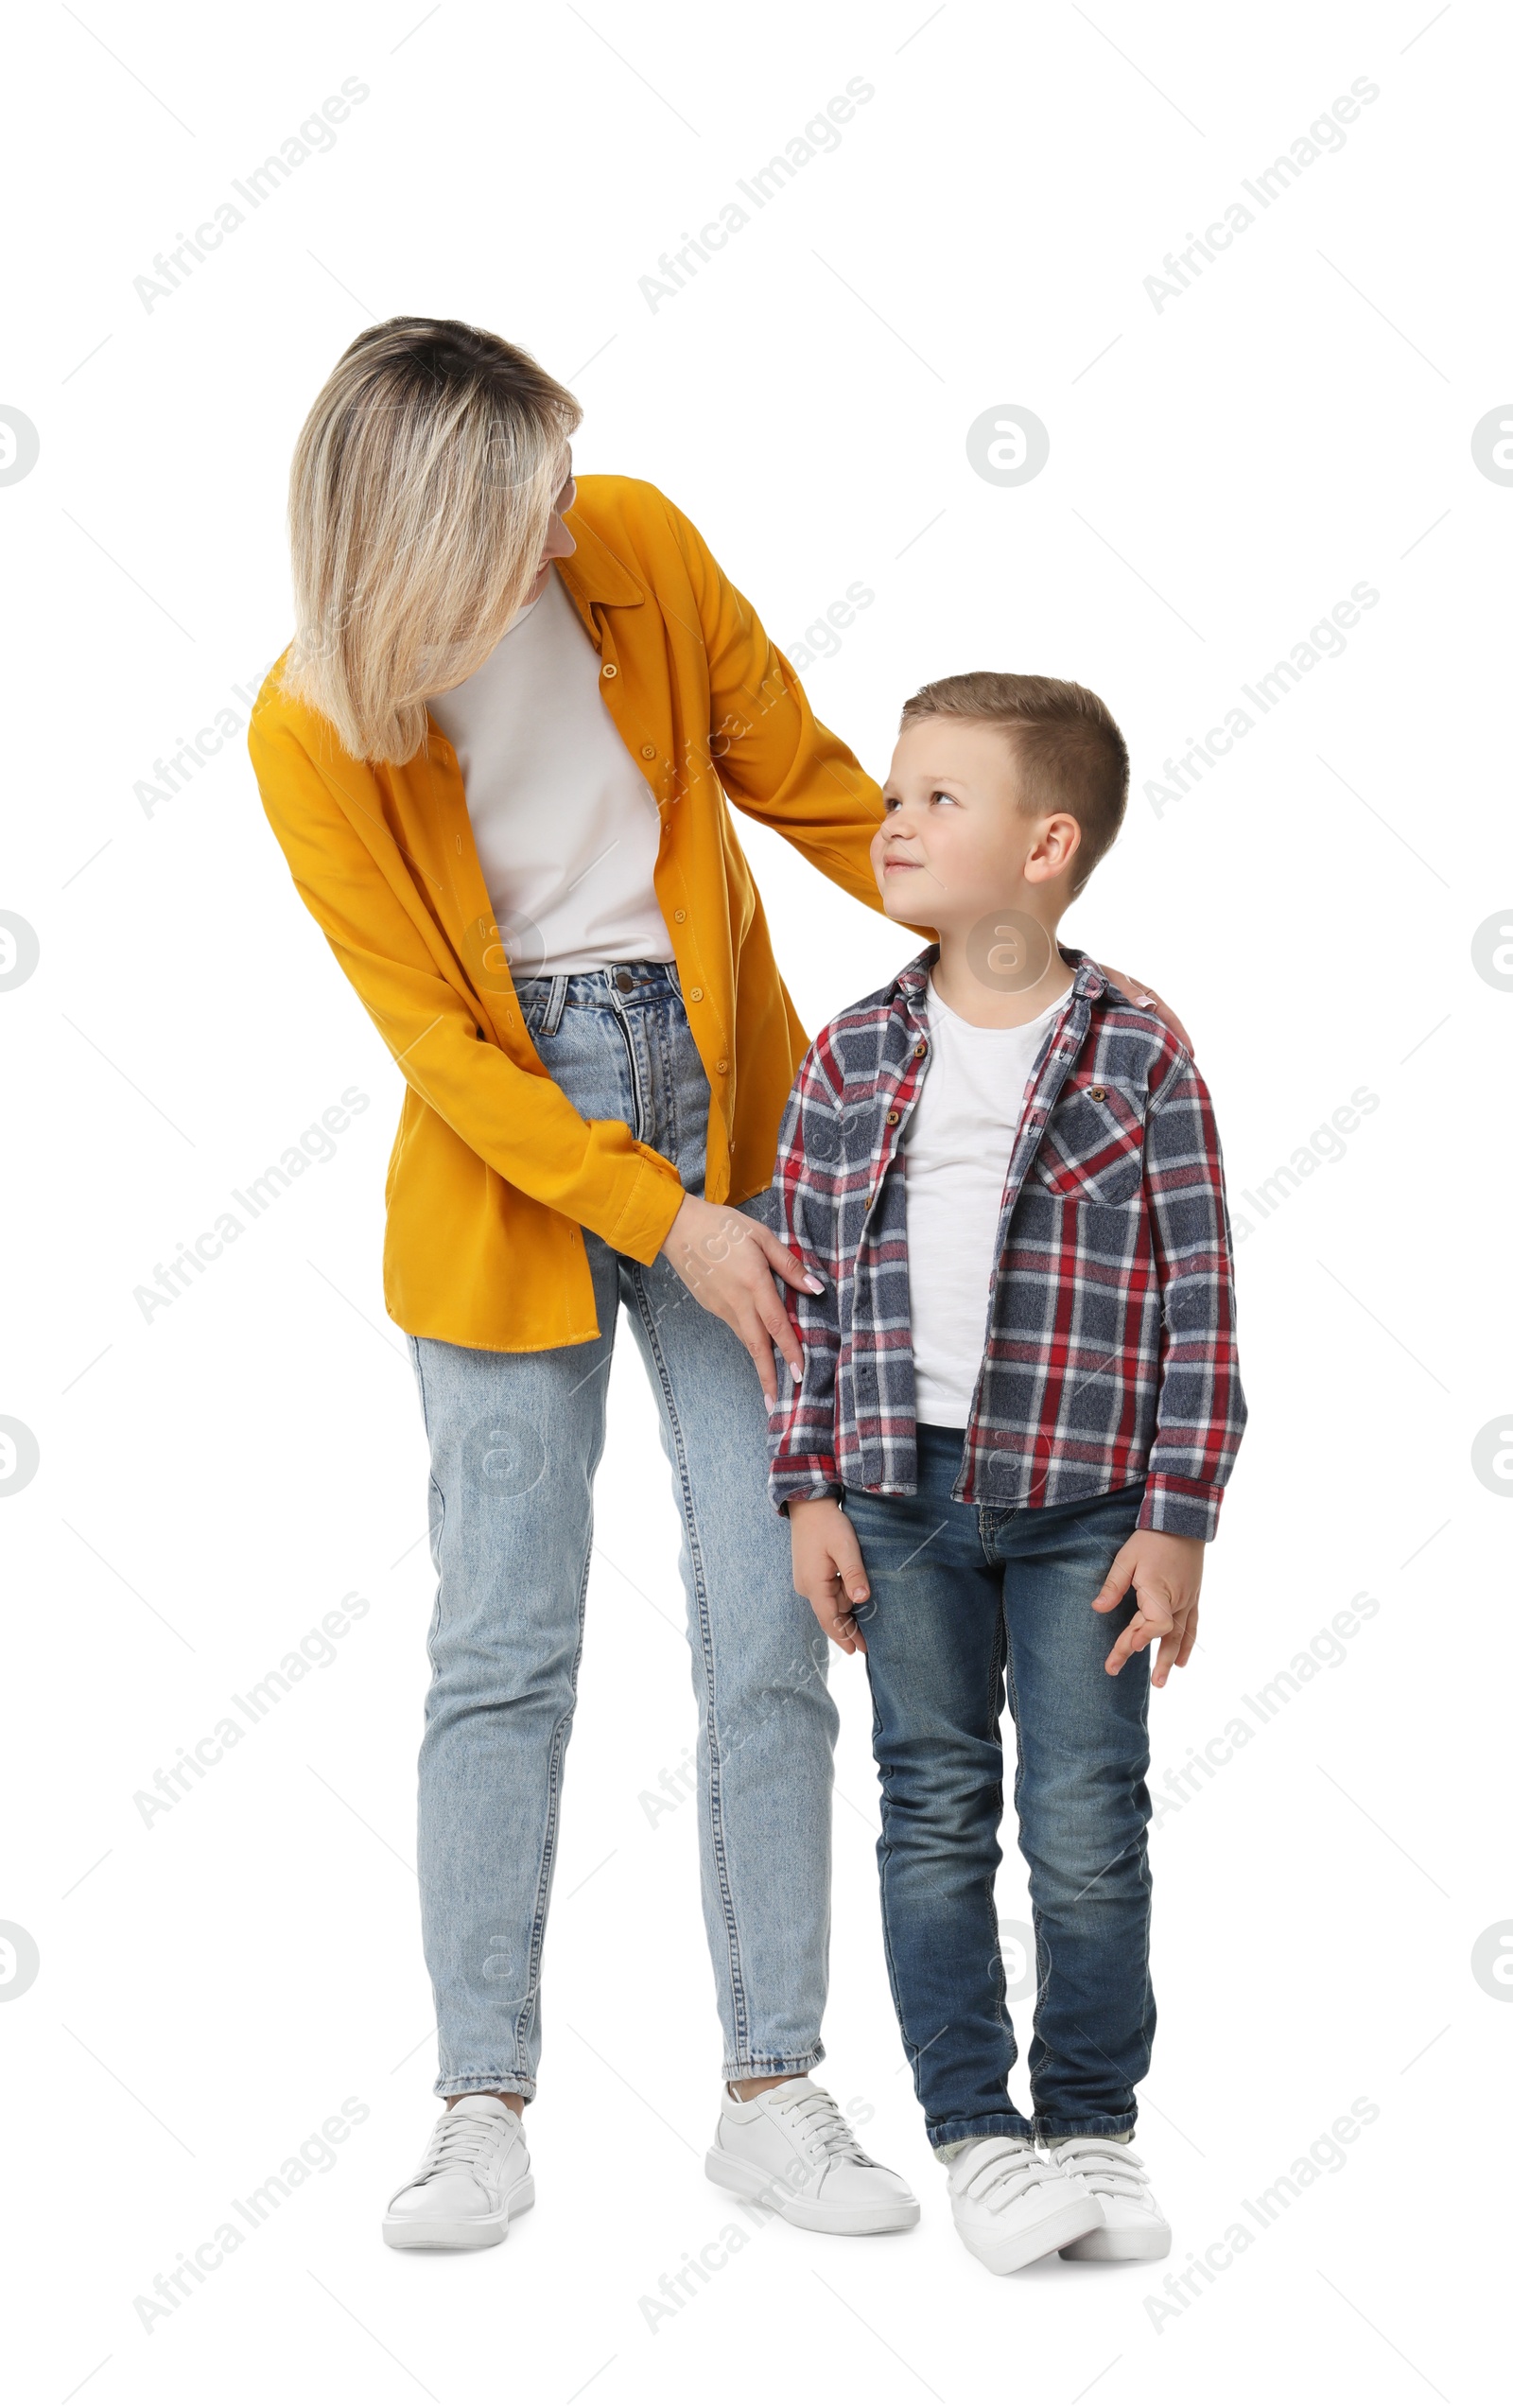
x=1133 y=2225
x=792 y=2148
x=474 y=2175
x=1011 y=2207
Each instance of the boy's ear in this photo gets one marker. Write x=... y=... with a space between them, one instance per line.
x=1057 y=842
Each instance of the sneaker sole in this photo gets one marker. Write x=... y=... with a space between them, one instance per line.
x=810 y=2215
x=461 y=2232
x=1067 y=2225
x=1124 y=2242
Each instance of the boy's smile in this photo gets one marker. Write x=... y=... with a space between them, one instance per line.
x=960 y=845
x=956 y=838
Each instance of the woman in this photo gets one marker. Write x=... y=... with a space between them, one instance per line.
x=496 y=756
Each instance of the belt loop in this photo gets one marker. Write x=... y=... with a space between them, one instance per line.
x=551 y=1019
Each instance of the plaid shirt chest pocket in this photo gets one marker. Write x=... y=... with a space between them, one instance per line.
x=1093 y=1149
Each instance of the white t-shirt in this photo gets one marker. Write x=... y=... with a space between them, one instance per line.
x=567 y=827
x=956 y=1153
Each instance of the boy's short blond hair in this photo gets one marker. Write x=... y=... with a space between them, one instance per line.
x=1066 y=744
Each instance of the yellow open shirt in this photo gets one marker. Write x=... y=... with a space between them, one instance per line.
x=493 y=1172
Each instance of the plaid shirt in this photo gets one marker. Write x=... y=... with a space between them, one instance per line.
x=1109 y=1349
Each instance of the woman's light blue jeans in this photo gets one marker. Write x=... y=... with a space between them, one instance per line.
x=515 y=1441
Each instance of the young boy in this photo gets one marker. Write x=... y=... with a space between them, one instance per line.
x=1019 y=1407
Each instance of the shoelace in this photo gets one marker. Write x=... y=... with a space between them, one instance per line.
x=458 y=2143
x=818 y=2124
x=1104 y=2165
x=1012 y=2170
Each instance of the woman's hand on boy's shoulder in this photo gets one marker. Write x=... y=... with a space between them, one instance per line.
x=1147 y=997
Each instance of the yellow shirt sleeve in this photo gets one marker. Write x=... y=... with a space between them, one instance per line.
x=776 y=760
x=512 y=1116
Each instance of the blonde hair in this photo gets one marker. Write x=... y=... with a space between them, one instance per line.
x=419 y=498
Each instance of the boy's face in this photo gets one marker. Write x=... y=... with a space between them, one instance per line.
x=956 y=842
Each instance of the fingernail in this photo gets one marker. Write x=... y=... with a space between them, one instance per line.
x=771 y=1403
x=816 y=1288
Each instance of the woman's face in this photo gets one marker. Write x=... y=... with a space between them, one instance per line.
x=558 y=542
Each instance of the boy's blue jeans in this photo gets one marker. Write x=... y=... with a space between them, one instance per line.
x=966 y=1603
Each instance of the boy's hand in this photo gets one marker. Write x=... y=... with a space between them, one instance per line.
x=828 y=1568
x=1166 y=1574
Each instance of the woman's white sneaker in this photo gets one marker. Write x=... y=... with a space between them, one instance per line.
x=793 y=2149
x=474 y=2175
x=1011 y=2207
x=1133 y=2225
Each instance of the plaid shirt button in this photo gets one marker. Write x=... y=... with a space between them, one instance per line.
x=892 y=1120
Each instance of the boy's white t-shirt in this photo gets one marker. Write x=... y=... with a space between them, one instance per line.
x=956 y=1153
x=567 y=827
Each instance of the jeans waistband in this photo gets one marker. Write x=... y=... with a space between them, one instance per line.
x=631 y=983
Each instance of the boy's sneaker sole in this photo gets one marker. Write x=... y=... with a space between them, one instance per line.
x=1123 y=2242
x=811 y=2215
x=1054 y=2232
x=461 y=2232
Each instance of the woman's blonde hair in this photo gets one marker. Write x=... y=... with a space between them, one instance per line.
x=422 y=486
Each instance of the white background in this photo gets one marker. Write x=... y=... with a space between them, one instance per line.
x=211 y=1482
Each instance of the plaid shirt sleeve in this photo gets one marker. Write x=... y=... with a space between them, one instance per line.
x=1201 y=1410
x=801 y=1432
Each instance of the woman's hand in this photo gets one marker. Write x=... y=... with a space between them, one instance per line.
x=728 y=1261
x=1147 y=996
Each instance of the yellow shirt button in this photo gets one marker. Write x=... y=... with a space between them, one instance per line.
x=696 y=994
x=680 y=915
x=722 y=1064
x=609 y=670
x=649 y=752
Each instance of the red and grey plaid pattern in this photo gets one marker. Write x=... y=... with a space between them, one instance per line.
x=1109 y=1326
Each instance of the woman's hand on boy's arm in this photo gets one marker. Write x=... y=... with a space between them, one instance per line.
x=828 y=1568
x=728 y=1259
x=1166 y=1574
